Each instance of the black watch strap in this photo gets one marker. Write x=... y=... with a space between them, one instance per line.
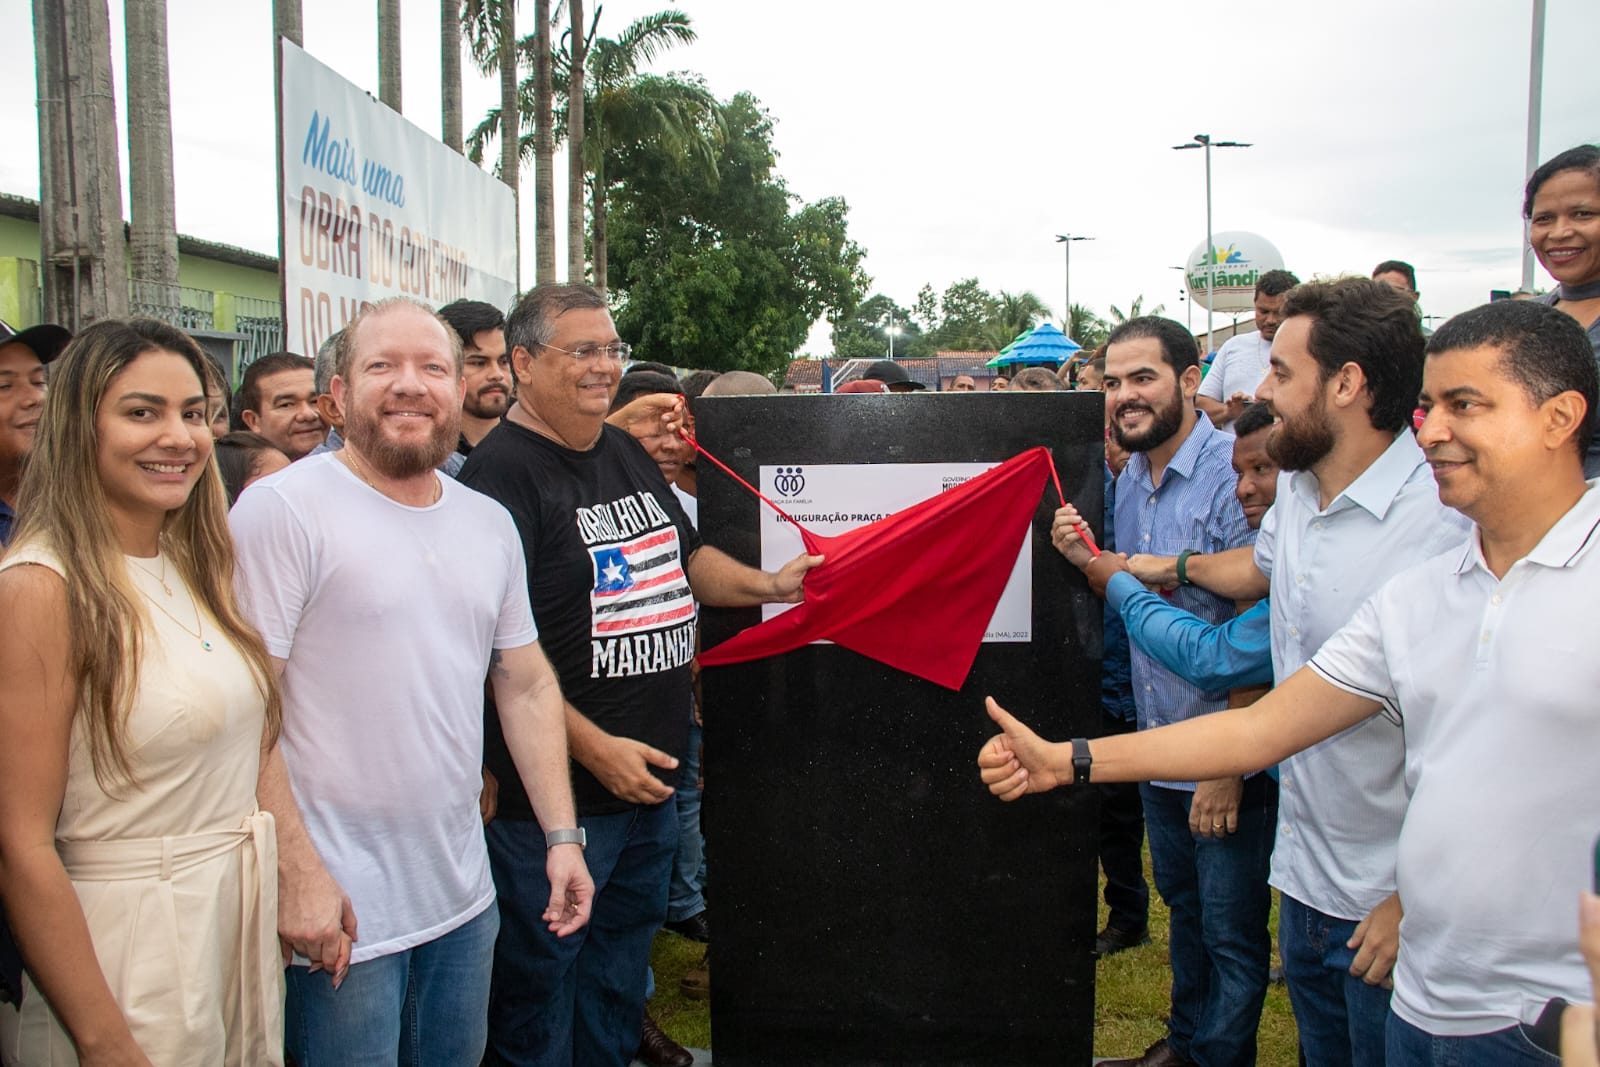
x=1081 y=761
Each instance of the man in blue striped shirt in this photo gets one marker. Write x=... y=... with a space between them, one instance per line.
x=1209 y=841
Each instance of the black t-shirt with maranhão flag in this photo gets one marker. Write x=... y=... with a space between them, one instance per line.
x=606 y=543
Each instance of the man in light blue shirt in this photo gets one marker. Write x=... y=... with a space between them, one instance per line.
x=1209 y=840
x=1227 y=655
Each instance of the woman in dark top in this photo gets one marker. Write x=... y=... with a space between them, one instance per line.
x=1562 y=206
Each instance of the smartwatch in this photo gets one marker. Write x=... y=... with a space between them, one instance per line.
x=552 y=838
x=1081 y=761
x=1183 y=566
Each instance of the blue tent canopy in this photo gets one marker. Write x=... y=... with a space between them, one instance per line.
x=1045 y=344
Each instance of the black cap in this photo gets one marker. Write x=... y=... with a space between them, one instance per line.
x=46 y=340
x=889 y=372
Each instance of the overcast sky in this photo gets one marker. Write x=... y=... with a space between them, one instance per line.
x=964 y=137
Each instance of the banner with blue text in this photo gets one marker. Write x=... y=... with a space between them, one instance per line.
x=374 y=207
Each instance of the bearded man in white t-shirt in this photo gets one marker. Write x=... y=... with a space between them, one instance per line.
x=1239 y=365
x=387 y=593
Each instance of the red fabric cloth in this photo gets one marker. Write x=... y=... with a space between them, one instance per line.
x=916 y=589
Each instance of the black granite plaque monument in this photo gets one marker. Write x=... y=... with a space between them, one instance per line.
x=874 y=904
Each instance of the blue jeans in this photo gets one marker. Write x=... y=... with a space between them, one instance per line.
x=422 y=1007
x=1341 y=1019
x=1220 y=948
x=577 y=1001
x=684 y=893
x=1511 y=1047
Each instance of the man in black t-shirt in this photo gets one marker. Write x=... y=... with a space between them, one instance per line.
x=614 y=568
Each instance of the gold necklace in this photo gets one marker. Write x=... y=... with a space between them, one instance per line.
x=198 y=633
x=161 y=579
x=438 y=486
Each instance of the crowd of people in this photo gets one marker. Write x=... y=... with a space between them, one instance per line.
x=1411 y=586
x=351 y=717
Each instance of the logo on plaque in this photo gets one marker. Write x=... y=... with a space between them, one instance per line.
x=789 y=481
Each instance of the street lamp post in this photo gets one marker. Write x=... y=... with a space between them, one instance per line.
x=1203 y=140
x=891 y=330
x=1535 y=96
x=1065 y=241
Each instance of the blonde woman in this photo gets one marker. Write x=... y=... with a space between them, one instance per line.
x=137 y=872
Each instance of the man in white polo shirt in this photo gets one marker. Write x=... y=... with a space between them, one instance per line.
x=1482 y=654
x=1240 y=363
x=387 y=594
x=1345 y=372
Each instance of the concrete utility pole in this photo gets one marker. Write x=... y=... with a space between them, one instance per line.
x=152 y=199
x=389 y=52
x=85 y=258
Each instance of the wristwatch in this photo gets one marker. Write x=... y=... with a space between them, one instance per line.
x=552 y=838
x=1081 y=761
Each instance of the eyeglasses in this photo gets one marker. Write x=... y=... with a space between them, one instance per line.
x=619 y=351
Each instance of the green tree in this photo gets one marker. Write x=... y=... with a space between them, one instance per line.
x=490 y=28
x=1012 y=314
x=1087 y=328
x=621 y=107
x=719 y=267
x=965 y=309
x=1135 y=310
x=864 y=335
x=926 y=309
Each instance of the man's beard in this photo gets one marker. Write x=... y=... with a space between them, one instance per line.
x=1167 y=421
x=395 y=460
x=1301 y=444
x=491 y=407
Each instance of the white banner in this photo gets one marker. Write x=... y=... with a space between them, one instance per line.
x=830 y=499
x=373 y=207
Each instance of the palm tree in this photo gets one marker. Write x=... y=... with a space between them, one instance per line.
x=577 y=55
x=491 y=27
x=450 y=72
x=621 y=108
x=626 y=107
x=1014 y=314
x=1135 y=310
x=153 y=232
x=1086 y=328
x=389 y=52
x=681 y=118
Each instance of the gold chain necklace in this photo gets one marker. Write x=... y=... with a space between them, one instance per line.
x=438 y=486
x=161 y=579
x=198 y=633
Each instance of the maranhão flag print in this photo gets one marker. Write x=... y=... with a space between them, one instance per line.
x=916 y=589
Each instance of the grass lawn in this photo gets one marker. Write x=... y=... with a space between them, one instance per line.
x=1131 y=996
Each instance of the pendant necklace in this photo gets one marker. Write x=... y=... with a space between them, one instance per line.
x=198 y=633
x=161 y=579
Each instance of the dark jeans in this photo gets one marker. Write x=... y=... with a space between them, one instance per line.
x=1122 y=844
x=1511 y=1047
x=1340 y=1018
x=421 y=1007
x=685 y=893
x=1220 y=948
x=577 y=1001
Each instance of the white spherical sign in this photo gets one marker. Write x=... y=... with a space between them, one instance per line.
x=1240 y=260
